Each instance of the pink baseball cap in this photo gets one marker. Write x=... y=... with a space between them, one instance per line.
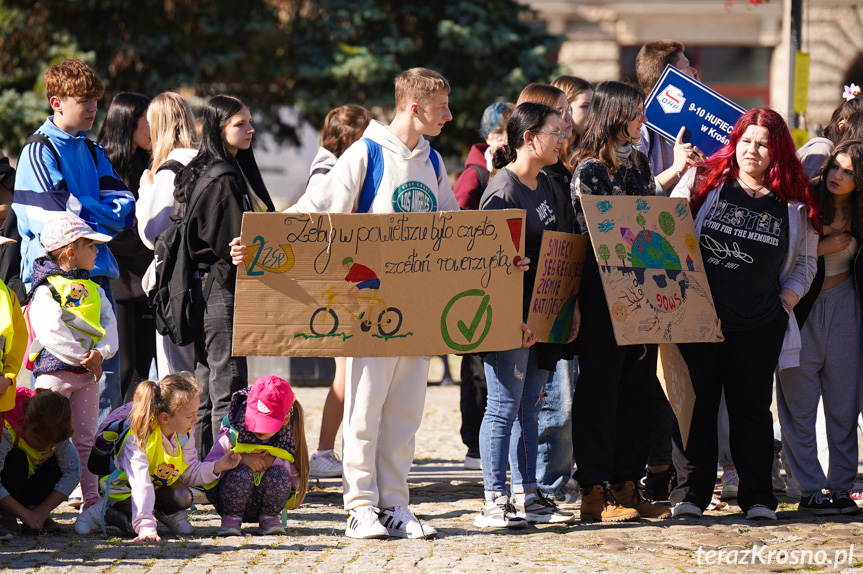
x=64 y=229
x=268 y=402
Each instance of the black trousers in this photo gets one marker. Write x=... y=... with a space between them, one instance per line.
x=32 y=490
x=136 y=329
x=661 y=428
x=613 y=394
x=743 y=365
x=472 y=400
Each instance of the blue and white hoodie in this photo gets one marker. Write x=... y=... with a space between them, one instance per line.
x=92 y=192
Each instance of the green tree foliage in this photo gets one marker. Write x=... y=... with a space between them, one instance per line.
x=316 y=54
x=603 y=253
x=620 y=250
x=666 y=223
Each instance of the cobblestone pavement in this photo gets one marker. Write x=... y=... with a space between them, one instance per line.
x=448 y=496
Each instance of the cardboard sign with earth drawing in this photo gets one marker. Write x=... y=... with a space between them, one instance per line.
x=654 y=282
x=364 y=285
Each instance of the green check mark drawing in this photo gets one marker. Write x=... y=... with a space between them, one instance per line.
x=469 y=332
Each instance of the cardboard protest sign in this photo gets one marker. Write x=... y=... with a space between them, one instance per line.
x=673 y=375
x=555 y=290
x=677 y=100
x=651 y=269
x=362 y=285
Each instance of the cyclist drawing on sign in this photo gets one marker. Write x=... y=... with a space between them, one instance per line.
x=362 y=278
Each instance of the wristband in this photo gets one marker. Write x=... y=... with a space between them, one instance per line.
x=785 y=303
x=678 y=172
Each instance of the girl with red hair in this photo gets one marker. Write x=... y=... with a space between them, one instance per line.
x=758 y=233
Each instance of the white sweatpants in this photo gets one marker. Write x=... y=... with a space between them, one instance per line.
x=384 y=401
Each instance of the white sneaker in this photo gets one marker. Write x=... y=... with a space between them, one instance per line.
x=364 y=522
x=76 y=499
x=760 y=512
x=499 y=513
x=535 y=508
x=90 y=520
x=472 y=462
x=570 y=497
x=178 y=522
x=686 y=510
x=400 y=521
x=325 y=464
x=730 y=485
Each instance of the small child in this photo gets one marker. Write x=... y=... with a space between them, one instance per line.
x=155 y=461
x=40 y=465
x=265 y=425
x=73 y=329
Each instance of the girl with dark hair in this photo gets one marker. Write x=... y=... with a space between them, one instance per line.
x=829 y=367
x=39 y=467
x=609 y=419
x=814 y=153
x=125 y=135
x=535 y=134
x=755 y=221
x=214 y=220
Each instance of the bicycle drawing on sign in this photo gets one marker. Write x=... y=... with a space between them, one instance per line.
x=388 y=320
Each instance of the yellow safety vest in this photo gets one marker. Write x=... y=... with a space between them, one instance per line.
x=35 y=458
x=165 y=469
x=8 y=310
x=81 y=311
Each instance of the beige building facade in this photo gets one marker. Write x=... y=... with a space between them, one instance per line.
x=741 y=50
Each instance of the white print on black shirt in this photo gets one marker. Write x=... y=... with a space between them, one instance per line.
x=730 y=219
x=546 y=215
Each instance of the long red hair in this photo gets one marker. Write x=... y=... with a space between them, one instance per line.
x=784 y=176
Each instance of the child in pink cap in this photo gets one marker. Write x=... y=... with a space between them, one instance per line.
x=265 y=426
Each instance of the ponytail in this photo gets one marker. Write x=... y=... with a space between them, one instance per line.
x=504 y=155
x=301 y=456
x=167 y=396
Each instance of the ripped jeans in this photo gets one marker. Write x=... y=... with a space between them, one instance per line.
x=510 y=425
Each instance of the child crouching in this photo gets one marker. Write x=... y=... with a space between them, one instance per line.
x=265 y=425
x=40 y=465
x=156 y=460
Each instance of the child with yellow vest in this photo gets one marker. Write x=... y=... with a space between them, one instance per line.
x=40 y=465
x=265 y=425
x=73 y=328
x=155 y=461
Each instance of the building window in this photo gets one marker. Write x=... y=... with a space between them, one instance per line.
x=740 y=73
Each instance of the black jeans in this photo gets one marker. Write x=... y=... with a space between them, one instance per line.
x=220 y=373
x=472 y=400
x=613 y=394
x=33 y=490
x=136 y=329
x=743 y=365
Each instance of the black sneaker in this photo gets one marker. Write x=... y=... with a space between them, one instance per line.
x=657 y=486
x=842 y=502
x=819 y=504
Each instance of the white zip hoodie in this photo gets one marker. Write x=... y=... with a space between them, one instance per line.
x=408 y=183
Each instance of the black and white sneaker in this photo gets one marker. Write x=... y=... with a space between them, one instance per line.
x=499 y=513
x=818 y=504
x=400 y=521
x=841 y=501
x=536 y=508
x=364 y=522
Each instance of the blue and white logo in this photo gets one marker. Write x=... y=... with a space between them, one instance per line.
x=671 y=100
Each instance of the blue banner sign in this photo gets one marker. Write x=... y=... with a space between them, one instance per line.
x=678 y=100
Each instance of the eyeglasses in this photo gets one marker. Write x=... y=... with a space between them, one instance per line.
x=564 y=111
x=558 y=135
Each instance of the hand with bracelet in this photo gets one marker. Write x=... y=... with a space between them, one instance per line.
x=788 y=298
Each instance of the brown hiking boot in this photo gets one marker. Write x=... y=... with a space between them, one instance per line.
x=629 y=497
x=597 y=505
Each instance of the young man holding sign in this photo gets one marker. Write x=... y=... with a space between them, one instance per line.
x=385 y=396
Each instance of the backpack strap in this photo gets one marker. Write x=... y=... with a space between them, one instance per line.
x=435 y=161
x=171 y=165
x=374 y=175
x=45 y=141
x=482 y=175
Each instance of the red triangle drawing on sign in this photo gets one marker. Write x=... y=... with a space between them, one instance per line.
x=515 y=233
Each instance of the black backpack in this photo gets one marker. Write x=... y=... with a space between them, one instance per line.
x=177 y=306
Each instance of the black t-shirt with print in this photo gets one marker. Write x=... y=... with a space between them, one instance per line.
x=744 y=241
x=505 y=191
